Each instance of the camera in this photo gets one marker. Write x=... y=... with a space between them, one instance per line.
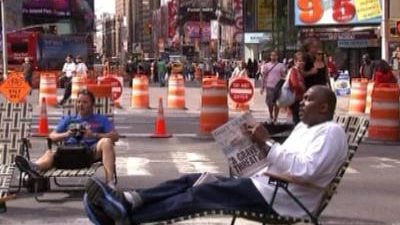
x=78 y=130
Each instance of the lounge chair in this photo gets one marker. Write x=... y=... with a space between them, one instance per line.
x=355 y=128
x=104 y=106
x=15 y=121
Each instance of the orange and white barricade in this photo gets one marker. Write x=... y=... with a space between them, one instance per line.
x=78 y=83
x=214 y=105
x=176 y=92
x=358 y=95
x=384 y=122
x=140 y=92
x=48 y=88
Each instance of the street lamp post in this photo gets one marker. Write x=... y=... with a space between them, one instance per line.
x=218 y=14
x=4 y=39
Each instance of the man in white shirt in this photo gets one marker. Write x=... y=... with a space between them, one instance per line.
x=271 y=73
x=68 y=70
x=81 y=68
x=308 y=155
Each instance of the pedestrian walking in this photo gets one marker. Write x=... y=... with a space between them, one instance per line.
x=161 y=70
x=367 y=67
x=27 y=69
x=240 y=70
x=271 y=74
x=81 y=68
x=396 y=59
x=68 y=71
x=384 y=73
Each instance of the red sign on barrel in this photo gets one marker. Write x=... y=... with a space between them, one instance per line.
x=116 y=84
x=241 y=90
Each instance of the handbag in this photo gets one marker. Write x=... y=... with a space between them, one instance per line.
x=287 y=97
x=73 y=157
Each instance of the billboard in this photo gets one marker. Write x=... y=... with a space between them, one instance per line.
x=337 y=12
x=264 y=14
x=58 y=8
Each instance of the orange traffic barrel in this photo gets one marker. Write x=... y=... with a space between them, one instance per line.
x=370 y=88
x=358 y=95
x=78 y=83
x=140 y=92
x=214 y=105
x=384 y=116
x=48 y=88
x=176 y=92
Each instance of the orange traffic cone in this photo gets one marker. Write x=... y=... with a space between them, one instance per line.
x=43 y=122
x=160 y=129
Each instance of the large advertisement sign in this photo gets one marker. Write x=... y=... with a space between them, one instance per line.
x=264 y=14
x=238 y=13
x=194 y=29
x=46 y=7
x=172 y=17
x=333 y=12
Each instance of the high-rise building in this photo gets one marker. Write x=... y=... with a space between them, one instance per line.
x=134 y=26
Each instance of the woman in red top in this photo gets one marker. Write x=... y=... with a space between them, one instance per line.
x=383 y=73
x=296 y=84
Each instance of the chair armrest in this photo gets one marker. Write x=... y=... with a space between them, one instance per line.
x=8 y=197
x=293 y=181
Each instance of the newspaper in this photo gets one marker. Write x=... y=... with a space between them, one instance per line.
x=245 y=158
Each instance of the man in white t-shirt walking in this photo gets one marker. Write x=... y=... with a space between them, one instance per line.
x=68 y=70
x=81 y=68
x=271 y=73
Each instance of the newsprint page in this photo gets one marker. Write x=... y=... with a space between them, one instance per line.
x=245 y=158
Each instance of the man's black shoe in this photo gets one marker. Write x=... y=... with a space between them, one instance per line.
x=27 y=166
x=96 y=214
x=111 y=201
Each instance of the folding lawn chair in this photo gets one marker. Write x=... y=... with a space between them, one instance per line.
x=104 y=106
x=15 y=120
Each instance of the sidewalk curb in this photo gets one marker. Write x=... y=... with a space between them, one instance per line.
x=380 y=142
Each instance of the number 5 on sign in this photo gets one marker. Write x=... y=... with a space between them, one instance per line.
x=343 y=11
x=311 y=11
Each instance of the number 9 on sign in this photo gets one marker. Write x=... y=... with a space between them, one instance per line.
x=311 y=11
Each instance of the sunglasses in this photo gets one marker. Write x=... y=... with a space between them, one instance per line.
x=320 y=53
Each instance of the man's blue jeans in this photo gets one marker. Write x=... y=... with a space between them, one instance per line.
x=178 y=198
x=161 y=78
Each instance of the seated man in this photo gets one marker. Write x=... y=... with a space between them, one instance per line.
x=99 y=135
x=312 y=154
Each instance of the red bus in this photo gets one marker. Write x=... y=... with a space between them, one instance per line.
x=20 y=45
x=46 y=51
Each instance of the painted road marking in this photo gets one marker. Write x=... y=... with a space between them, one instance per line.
x=184 y=162
x=351 y=171
x=132 y=166
x=189 y=162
